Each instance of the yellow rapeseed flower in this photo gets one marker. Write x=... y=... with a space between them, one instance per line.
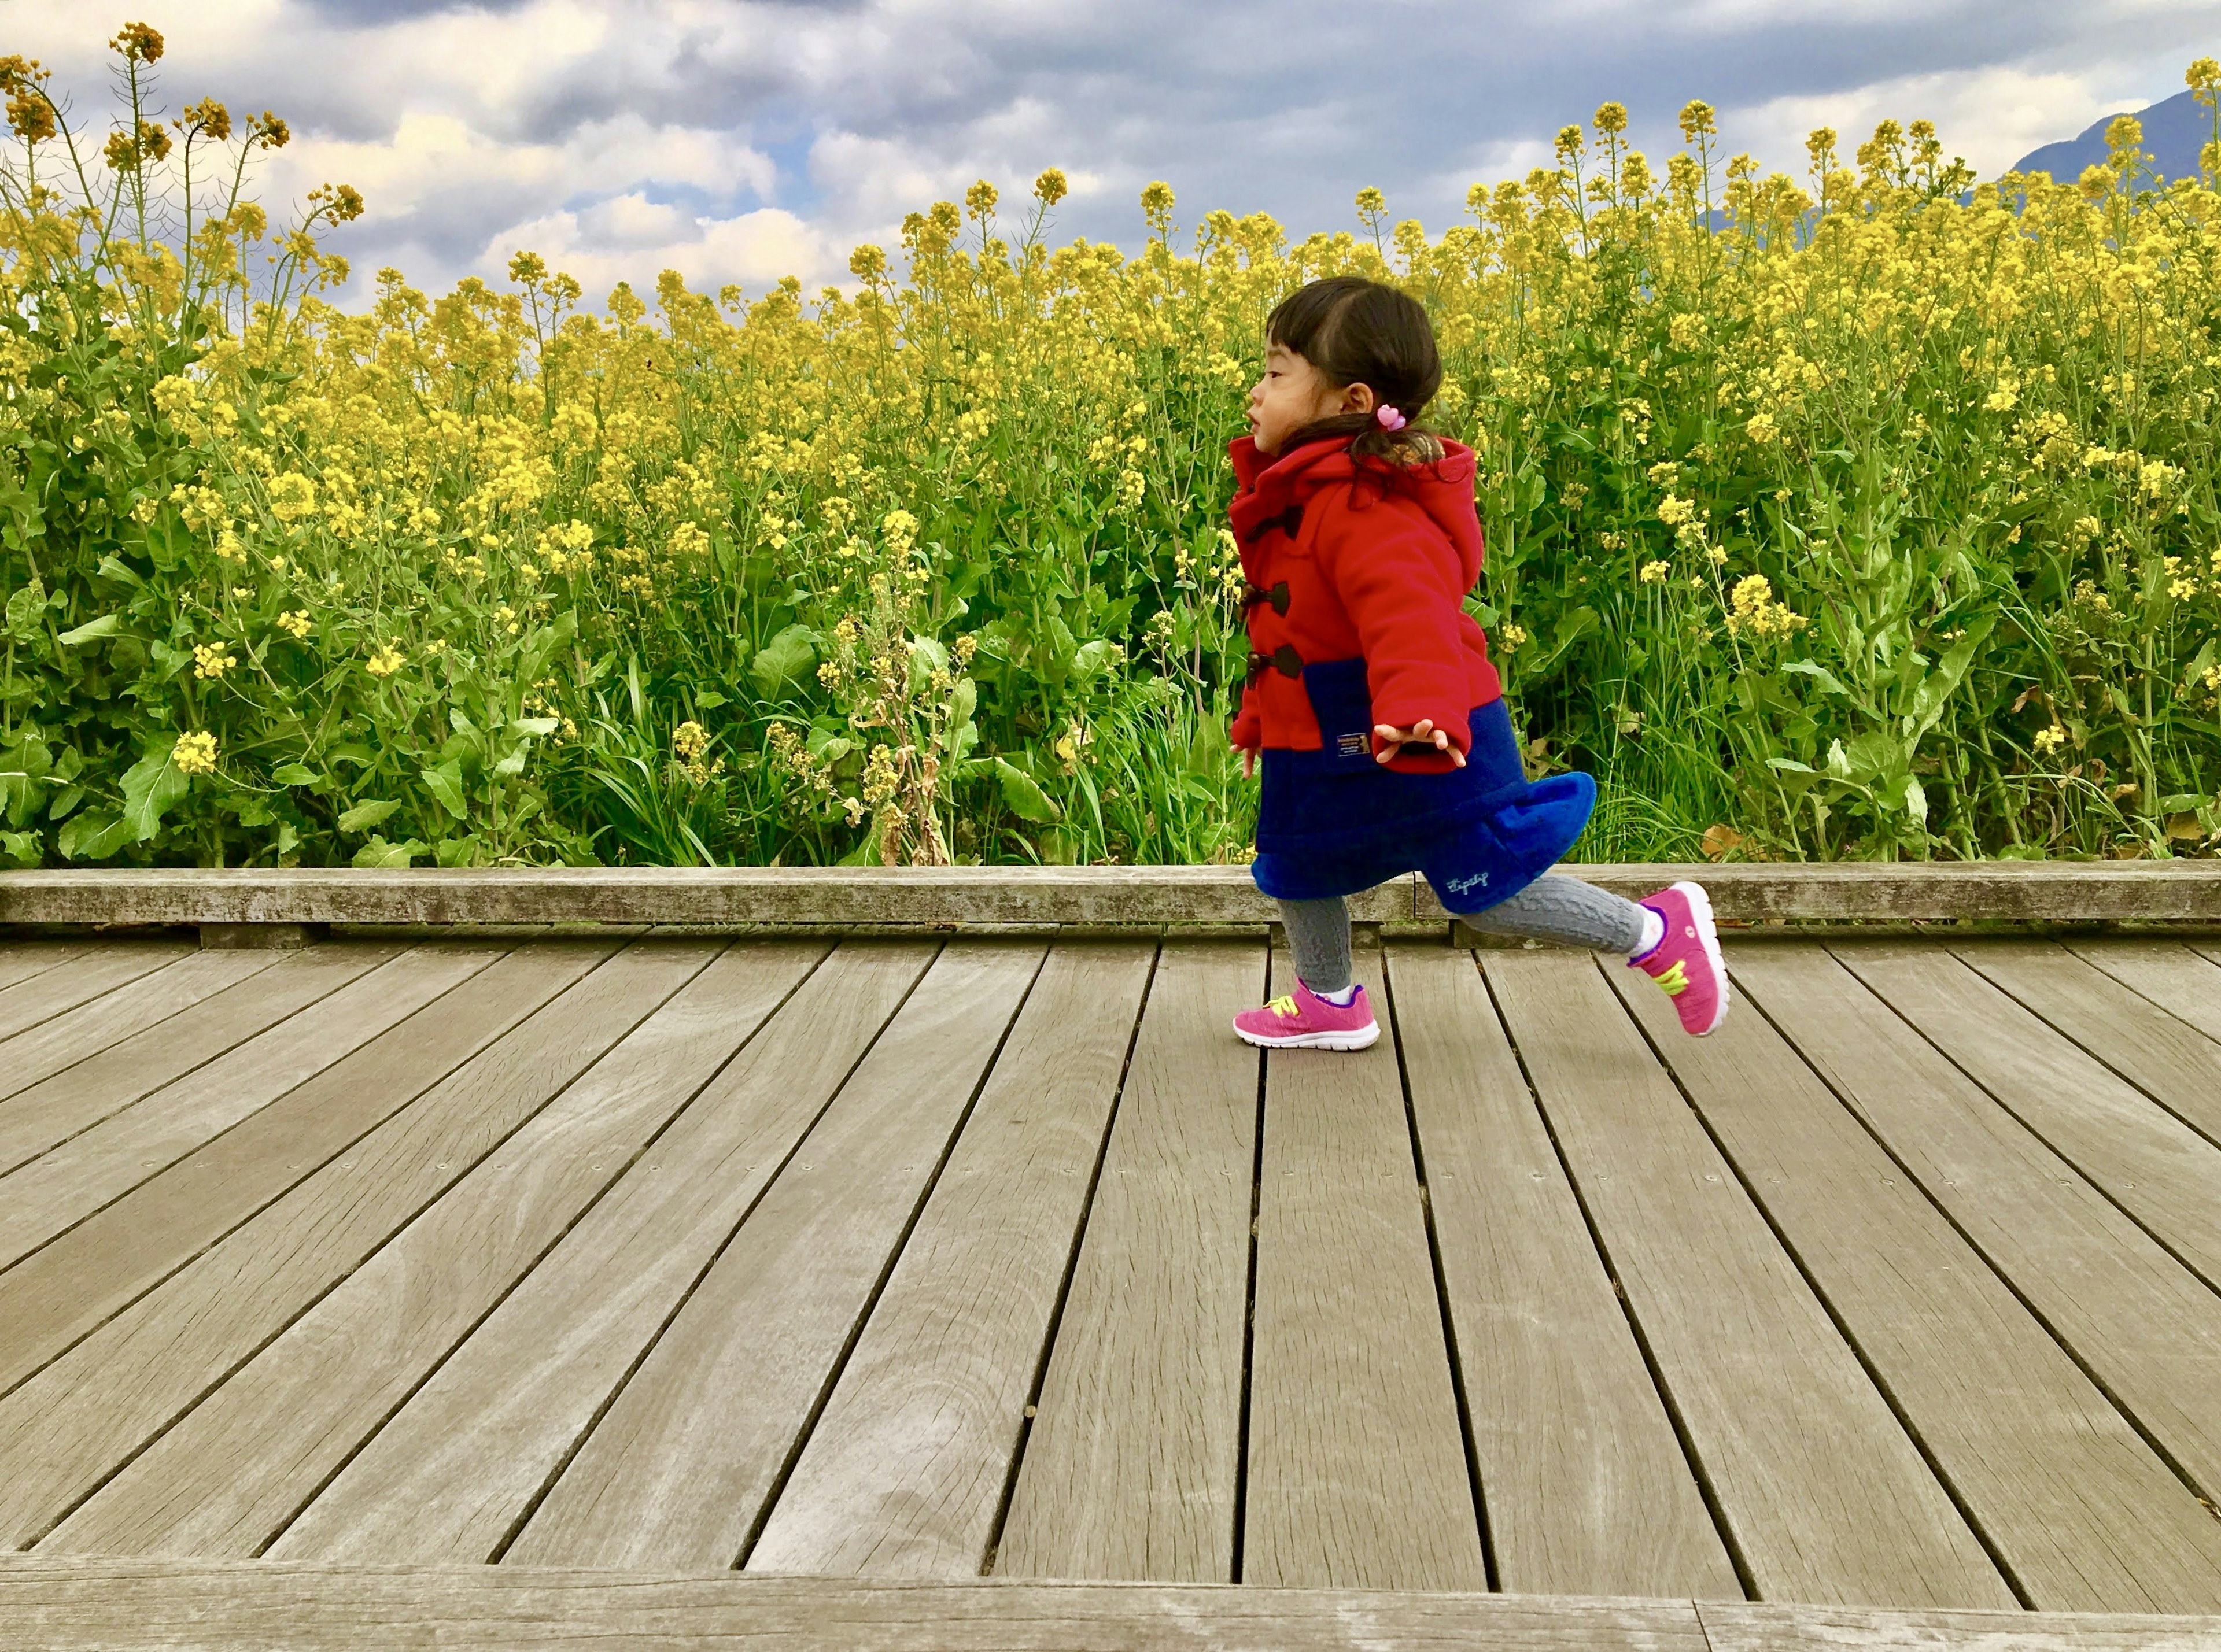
x=212 y=659
x=194 y=754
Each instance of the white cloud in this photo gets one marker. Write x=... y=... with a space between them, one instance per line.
x=727 y=138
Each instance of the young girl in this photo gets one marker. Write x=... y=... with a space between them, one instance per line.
x=1386 y=743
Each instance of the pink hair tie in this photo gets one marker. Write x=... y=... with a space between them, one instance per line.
x=1389 y=418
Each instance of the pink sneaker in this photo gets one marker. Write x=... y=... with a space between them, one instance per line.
x=1686 y=961
x=1304 y=1020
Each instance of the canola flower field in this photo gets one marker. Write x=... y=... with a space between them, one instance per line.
x=1871 y=514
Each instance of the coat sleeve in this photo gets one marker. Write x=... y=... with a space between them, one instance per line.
x=1248 y=733
x=1397 y=579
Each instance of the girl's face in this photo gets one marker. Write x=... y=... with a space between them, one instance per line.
x=1293 y=393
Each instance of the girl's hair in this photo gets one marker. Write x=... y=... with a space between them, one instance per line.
x=1360 y=332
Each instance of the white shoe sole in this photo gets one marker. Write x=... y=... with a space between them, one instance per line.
x=1708 y=936
x=1360 y=1038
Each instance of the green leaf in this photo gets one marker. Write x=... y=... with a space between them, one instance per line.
x=109 y=624
x=23 y=848
x=445 y=785
x=378 y=853
x=92 y=835
x=785 y=659
x=1820 y=674
x=1937 y=686
x=293 y=774
x=363 y=816
x=1091 y=659
x=23 y=610
x=1025 y=798
x=511 y=765
x=534 y=724
x=150 y=787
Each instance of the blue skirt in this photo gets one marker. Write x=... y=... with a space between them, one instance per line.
x=1335 y=821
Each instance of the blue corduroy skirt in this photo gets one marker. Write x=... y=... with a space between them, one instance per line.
x=1333 y=821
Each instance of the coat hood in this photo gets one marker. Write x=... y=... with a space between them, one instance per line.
x=1270 y=483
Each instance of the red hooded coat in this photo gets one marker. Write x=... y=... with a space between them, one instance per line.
x=1370 y=568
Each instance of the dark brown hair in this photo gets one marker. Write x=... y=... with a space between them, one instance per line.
x=1360 y=332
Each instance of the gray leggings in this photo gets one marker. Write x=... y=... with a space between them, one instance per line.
x=1553 y=907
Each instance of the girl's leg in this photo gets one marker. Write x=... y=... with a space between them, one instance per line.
x=1325 y=1009
x=1318 y=935
x=1555 y=907
x=1670 y=936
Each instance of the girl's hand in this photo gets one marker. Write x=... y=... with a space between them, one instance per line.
x=1423 y=732
x=1248 y=761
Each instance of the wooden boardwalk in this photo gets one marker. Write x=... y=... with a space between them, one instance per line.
x=894 y=1259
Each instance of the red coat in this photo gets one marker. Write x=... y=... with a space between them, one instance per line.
x=1380 y=573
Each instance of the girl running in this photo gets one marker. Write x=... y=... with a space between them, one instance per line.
x=1387 y=747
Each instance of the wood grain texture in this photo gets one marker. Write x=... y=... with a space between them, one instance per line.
x=64 y=1430
x=665 y=894
x=2162 y=1171
x=146 y=1004
x=57 y=1293
x=1755 y=1627
x=2085 y=1514
x=2164 y=1057
x=680 y=1470
x=97 y=971
x=508 y=1408
x=2145 y=1328
x=906 y=1468
x=1826 y=1497
x=2018 y=891
x=42 y=1114
x=1357 y=1464
x=2180 y=980
x=21 y=960
x=1130 y=1466
x=141 y=1140
x=125 y=1605
x=226 y=1479
x=1586 y=1488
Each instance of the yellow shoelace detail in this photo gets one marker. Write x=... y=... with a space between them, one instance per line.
x=1675 y=981
x=1286 y=1006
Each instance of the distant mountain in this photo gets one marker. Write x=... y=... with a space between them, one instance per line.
x=2175 y=132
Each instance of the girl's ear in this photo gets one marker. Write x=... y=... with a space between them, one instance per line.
x=1357 y=398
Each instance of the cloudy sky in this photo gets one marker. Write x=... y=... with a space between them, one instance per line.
x=745 y=140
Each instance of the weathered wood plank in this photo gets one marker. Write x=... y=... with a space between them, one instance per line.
x=2148 y=1330
x=1357 y=1463
x=681 y=1468
x=524 y=1387
x=1130 y=1467
x=21 y=960
x=2054 y=892
x=1825 y=1495
x=1749 y=1626
x=2169 y=1060
x=2084 y=1513
x=126 y=1605
x=43 y=1113
x=141 y=1140
x=1586 y=1486
x=906 y=1467
x=397 y=1145
x=56 y=1295
x=55 y=1045
x=227 y=1478
x=696 y=894
x=2162 y=1171
x=96 y=970
x=2181 y=981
